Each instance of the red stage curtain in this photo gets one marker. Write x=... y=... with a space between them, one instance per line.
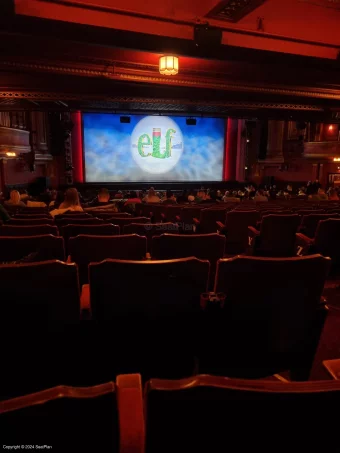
x=77 y=147
x=230 y=156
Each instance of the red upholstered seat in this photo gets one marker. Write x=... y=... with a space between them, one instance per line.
x=236 y=230
x=28 y=230
x=276 y=236
x=106 y=418
x=121 y=222
x=149 y=230
x=203 y=246
x=40 y=314
x=217 y=414
x=273 y=318
x=48 y=247
x=85 y=249
x=146 y=288
x=28 y=222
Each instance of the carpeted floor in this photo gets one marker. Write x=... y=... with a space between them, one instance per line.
x=329 y=346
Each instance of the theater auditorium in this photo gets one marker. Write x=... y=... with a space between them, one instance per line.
x=169 y=225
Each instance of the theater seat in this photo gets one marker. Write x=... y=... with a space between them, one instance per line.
x=106 y=229
x=325 y=242
x=276 y=237
x=106 y=418
x=272 y=319
x=28 y=230
x=203 y=246
x=152 y=307
x=218 y=414
x=40 y=314
x=121 y=221
x=46 y=246
x=28 y=222
x=309 y=223
x=85 y=249
x=150 y=230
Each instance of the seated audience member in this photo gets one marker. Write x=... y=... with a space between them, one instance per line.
x=332 y=195
x=170 y=198
x=130 y=204
x=183 y=197
x=102 y=199
x=322 y=195
x=191 y=197
x=24 y=195
x=200 y=196
x=272 y=192
x=219 y=195
x=14 y=199
x=57 y=198
x=260 y=196
x=4 y=216
x=71 y=203
x=119 y=195
x=230 y=198
x=152 y=197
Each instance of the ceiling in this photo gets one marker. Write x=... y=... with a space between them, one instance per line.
x=91 y=54
x=302 y=27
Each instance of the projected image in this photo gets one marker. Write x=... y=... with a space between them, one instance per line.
x=152 y=148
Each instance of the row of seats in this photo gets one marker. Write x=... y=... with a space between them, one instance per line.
x=260 y=328
x=276 y=237
x=201 y=413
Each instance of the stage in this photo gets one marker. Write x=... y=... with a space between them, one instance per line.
x=160 y=186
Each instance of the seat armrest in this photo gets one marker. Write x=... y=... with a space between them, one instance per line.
x=85 y=302
x=130 y=413
x=303 y=240
x=253 y=232
x=333 y=368
x=220 y=226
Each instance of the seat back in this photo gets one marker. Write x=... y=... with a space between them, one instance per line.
x=208 y=219
x=28 y=230
x=28 y=222
x=106 y=229
x=61 y=415
x=154 y=289
x=327 y=240
x=121 y=221
x=277 y=235
x=149 y=230
x=237 y=223
x=85 y=249
x=171 y=212
x=47 y=296
x=32 y=216
x=271 y=305
x=75 y=221
x=189 y=213
x=203 y=246
x=33 y=210
x=46 y=246
x=108 y=215
x=309 y=223
x=303 y=212
x=73 y=215
x=209 y=413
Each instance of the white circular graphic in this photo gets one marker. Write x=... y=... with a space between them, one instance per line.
x=156 y=144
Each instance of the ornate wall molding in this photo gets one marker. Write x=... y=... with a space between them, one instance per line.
x=53 y=96
x=130 y=74
x=233 y=10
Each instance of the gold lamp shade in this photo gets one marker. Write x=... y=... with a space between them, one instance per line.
x=168 y=65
